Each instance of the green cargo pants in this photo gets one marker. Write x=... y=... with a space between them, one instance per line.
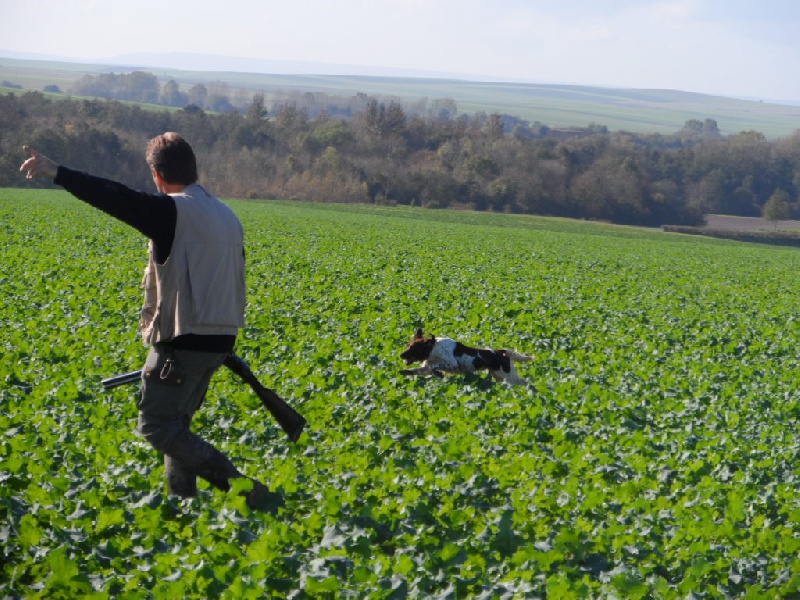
x=174 y=385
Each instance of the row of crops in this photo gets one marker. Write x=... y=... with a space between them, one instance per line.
x=652 y=455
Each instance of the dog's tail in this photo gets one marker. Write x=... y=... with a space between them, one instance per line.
x=517 y=357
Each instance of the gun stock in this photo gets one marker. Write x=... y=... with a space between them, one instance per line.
x=289 y=419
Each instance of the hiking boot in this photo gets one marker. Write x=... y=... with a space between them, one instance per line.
x=260 y=498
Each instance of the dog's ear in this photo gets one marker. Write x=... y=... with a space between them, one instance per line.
x=419 y=335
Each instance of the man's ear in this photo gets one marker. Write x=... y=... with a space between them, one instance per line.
x=157 y=179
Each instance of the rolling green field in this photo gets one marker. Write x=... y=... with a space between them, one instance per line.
x=555 y=105
x=653 y=454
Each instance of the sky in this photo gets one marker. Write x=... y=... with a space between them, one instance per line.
x=738 y=48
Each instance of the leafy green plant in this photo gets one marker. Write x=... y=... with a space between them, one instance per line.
x=652 y=454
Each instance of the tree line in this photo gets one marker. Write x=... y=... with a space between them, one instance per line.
x=217 y=96
x=385 y=152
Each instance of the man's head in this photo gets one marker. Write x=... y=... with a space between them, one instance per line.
x=172 y=159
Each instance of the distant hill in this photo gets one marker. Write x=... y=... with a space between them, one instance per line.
x=554 y=105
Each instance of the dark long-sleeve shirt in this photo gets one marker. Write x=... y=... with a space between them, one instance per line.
x=154 y=215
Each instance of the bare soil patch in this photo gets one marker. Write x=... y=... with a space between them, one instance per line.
x=725 y=222
x=744 y=229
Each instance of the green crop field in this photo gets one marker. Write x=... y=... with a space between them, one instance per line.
x=654 y=453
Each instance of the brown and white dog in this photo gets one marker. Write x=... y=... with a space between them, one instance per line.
x=443 y=355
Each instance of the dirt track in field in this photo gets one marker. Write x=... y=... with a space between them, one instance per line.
x=748 y=224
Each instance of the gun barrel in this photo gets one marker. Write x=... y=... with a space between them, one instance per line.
x=289 y=419
x=124 y=379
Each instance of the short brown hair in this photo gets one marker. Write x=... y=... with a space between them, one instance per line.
x=173 y=158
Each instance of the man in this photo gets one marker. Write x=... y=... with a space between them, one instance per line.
x=194 y=297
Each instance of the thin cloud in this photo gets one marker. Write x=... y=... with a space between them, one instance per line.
x=726 y=47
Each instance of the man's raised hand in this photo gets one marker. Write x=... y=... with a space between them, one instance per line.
x=38 y=165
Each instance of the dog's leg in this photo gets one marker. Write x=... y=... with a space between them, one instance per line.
x=420 y=371
x=424 y=370
x=511 y=378
x=438 y=369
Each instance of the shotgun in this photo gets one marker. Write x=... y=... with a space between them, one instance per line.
x=289 y=419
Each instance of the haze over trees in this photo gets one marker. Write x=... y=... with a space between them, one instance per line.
x=370 y=150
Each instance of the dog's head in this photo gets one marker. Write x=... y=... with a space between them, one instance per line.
x=419 y=349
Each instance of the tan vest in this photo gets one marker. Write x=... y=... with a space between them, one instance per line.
x=200 y=288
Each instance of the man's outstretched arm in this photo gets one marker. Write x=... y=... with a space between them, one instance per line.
x=154 y=215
